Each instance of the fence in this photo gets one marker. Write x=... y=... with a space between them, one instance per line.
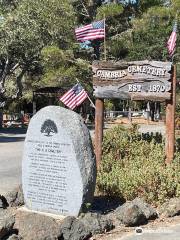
x=15 y=119
x=119 y=114
x=19 y=119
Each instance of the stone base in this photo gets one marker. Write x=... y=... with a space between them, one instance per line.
x=58 y=217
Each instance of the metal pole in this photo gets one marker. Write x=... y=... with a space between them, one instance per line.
x=99 y=122
x=130 y=113
x=91 y=102
x=105 y=53
x=34 y=104
x=170 y=121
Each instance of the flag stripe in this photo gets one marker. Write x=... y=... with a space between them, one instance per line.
x=91 y=34
x=69 y=95
x=72 y=105
x=74 y=97
x=91 y=38
x=78 y=99
x=77 y=30
x=91 y=31
x=69 y=99
x=66 y=95
x=171 y=44
x=72 y=102
x=82 y=96
x=171 y=39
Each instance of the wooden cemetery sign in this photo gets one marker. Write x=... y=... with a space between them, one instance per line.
x=138 y=80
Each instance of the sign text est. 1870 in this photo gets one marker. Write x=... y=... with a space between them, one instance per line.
x=152 y=88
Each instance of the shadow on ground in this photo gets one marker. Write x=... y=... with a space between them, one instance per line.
x=12 y=134
x=105 y=204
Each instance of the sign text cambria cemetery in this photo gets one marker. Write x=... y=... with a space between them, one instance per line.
x=139 y=80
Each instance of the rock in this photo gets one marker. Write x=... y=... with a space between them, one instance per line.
x=135 y=213
x=59 y=167
x=15 y=197
x=14 y=237
x=33 y=226
x=84 y=227
x=7 y=221
x=97 y=223
x=130 y=214
x=3 y=202
x=148 y=211
x=74 y=229
x=171 y=208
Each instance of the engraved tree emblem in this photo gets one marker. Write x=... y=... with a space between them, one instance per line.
x=49 y=127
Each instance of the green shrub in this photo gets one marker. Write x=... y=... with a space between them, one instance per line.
x=135 y=167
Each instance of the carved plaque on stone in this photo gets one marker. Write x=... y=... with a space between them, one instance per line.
x=59 y=169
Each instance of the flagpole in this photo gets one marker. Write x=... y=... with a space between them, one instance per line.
x=105 y=57
x=91 y=102
x=177 y=13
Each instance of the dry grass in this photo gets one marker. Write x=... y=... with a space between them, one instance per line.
x=136 y=120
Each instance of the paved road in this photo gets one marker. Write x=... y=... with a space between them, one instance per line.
x=11 y=147
x=166 y=233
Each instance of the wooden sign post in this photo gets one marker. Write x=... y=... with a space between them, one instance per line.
x=170 y=121
x=139 y=80
x=99 y=123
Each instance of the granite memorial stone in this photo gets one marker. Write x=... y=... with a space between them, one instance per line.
x=59 y=168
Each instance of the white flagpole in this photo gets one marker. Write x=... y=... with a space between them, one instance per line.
x=105 y=38
x=91 y=102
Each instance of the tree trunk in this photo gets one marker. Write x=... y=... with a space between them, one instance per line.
x=19 y=83
x=3 y=76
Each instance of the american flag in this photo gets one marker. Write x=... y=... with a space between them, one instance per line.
x=171 y=44
x=95 y=30
x=74 y=97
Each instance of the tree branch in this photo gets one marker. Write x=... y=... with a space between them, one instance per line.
x=85 y=9
x=14 y=68
x=3 y=77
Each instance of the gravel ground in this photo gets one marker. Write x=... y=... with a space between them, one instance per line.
x=160 y=229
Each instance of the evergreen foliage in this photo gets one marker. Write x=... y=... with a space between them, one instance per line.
x=38 y=46
x=134 y=166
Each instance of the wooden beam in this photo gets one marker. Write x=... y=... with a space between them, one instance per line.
x=109 y=92
x=170 y=121
x=123 y=65
x=99 y=122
